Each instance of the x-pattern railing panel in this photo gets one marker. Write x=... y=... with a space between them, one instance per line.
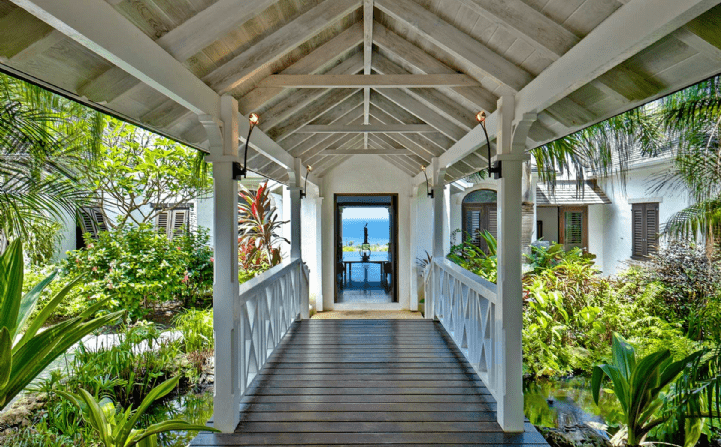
x=465 y=304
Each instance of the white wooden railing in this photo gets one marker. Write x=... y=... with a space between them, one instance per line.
x=267 y=306
x=467 y=307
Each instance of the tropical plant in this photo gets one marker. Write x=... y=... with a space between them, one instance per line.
x=142 y=175
x=543 y=257
x=258 y=227
x=117 y=428
x=474 y=259
x=196 y=326
x=46 y=144
x=24 y=351
x=691 y=118
x=137 y=268
x=638 y=385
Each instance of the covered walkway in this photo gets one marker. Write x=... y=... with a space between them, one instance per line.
x=368 y=382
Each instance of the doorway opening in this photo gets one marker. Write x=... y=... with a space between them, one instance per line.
x=366 y=254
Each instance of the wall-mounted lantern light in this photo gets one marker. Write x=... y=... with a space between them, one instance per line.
x=305 y=185
x=494 y=168
x=242 y=171
x=429 y=191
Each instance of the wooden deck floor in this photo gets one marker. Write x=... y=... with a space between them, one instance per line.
x=368 y=382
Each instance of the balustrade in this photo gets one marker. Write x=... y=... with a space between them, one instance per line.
x=466 y=306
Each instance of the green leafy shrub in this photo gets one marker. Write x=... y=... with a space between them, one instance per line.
x=196 y=326
x=472 y=258
x=136 y=267
x=75 y=302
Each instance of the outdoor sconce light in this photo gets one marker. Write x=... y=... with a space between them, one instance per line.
x=494 y=168
x=429 y=191
x=242 y=171
x=305 y=185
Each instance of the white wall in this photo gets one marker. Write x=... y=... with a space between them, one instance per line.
x=358 y=175
x=617 y=238
x=596 y=230
x=549 y=216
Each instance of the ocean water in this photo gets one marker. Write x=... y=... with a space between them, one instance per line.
x=378 y=231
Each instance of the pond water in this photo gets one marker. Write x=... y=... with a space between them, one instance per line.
x=196 y=408
x=568 y=402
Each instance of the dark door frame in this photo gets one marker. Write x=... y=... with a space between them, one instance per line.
x=392 y=243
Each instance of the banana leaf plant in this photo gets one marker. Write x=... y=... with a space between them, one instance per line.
x=638 y=385
x=116 y=429
x=25 y=350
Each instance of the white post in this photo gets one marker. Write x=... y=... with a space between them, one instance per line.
x=509 y=315
x=439 y=174
x=294 y=187
x=413 y=305
x=319 y=252
x=223 y=152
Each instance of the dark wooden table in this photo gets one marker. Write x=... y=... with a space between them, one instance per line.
x=368 y=382
x=348 y=267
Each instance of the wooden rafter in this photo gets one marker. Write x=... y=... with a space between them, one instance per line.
x=367 y=128
x=242 y=67
x=366 y=81
x=451 y=40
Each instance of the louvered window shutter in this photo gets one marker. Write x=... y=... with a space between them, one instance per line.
x=99 y=220
x=86 y=219
x=493 y=221
x=574 y=228
x=645 y=228
x=179 y=221
x=162 y=222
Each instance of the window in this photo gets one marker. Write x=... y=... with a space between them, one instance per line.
x=573 y=225
x=480 y=213
x=645 y=229
x=172 y=222
x=92 y=221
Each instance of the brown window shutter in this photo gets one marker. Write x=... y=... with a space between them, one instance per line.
x=651 y=212
x=86 y=219
x=493 y=221
x=639 y=243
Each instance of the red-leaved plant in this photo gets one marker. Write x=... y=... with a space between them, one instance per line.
x=258 y=227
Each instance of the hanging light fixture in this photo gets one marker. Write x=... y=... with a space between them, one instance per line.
x=494 y=168
x=305 y=185
x=429 y=191
x=242 y=171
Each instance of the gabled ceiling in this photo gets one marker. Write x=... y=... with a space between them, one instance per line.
x=464 y=55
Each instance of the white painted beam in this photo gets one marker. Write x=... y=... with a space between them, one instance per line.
x=209 y=25
x=366 y=128
x=242 y=67
x=367 y=57
x=97 y=26
x=455 y=42
x=627 y=31
x=367 y=81
x=369 y=151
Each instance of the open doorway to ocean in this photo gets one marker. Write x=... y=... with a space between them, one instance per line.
x=366 y=241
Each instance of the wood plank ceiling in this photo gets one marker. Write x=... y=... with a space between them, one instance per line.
x=470 y=52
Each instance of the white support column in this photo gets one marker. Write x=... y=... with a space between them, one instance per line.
x=223 y=152
x=295 y=186
x=319 y=251
x=439 y=217
x=509 y=315
x=413 y=305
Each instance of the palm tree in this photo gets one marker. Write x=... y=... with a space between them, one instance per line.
x=691 y=118
x=45 y=143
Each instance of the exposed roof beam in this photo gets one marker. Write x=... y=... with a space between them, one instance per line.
x=455 y=42
x=112 y=37
x=343 y=113
x=242 y=67
x=326 y=102
x=38 y=47
x=423 y=63
x=20 y=30
x=318 y=60
x=367 y=81
x=298 y=100
x=698 y=43
x=334 y=162
x=627 y=31
x=530 y=24
x=433 y=98
x=367 y=57
x=425 y=113
x=209 y=25
x=367 y=128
